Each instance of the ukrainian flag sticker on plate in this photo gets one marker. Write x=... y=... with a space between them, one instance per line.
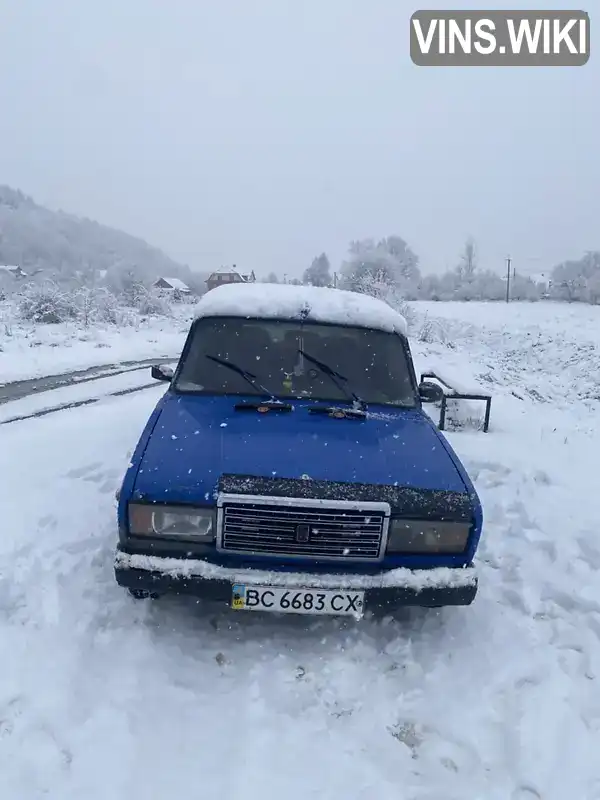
x=238 y=596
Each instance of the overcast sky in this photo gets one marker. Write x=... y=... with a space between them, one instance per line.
x=263 y=132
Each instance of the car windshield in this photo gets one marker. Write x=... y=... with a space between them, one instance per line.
x=373 y=363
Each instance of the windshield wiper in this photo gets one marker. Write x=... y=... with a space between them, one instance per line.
x=359 y=405
x=273 y=401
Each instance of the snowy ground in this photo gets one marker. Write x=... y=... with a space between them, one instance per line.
x=106 y=698
x=39 y=403
x=548 y=352
x=29 y=351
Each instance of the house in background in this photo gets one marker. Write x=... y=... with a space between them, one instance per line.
x=223 y=276
x=543 y=278
x=544 y=282
x=14 y=272
x=172 y=285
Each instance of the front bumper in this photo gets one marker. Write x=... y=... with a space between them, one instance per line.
x=399 y=587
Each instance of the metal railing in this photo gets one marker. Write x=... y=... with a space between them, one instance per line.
x=453 y=394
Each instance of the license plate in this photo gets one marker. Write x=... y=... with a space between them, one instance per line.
x=297 y=601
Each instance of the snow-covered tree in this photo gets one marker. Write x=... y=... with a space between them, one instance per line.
x=128 y=285
x=593 y=288
x=389 y=262
x=47 y=304
x=577 y=281
x=87 y=305
x=468 y=261
x=149 y=302
x=319 y=272
x=522 y=287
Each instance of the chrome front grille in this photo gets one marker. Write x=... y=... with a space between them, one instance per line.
x=302 y=528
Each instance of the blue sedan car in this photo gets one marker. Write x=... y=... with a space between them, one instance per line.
x=290 y=466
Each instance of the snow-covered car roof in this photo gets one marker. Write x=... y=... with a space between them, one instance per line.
x=277 y=301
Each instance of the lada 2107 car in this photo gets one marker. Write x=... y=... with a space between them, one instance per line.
x=290 y=466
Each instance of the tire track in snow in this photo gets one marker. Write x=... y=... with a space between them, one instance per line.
x=77 y=404
x=41 y=402
x=18 y=390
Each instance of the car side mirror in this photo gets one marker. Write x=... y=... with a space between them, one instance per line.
x=430 y=392
x=160 y=372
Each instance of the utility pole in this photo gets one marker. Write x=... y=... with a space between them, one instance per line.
x=508 y=262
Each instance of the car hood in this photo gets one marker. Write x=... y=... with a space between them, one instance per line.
x=198 y=439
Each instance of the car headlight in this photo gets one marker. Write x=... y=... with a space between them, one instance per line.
x=427 y=536
x=173 y=522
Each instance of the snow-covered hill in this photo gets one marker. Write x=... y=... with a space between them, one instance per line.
x=45 y=242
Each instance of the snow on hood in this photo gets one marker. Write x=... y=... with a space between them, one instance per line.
x=276 y=301
x=196 y=440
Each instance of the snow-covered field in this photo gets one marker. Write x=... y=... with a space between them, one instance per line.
x=105 y=698
x=32 y=351
x=545 y=351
